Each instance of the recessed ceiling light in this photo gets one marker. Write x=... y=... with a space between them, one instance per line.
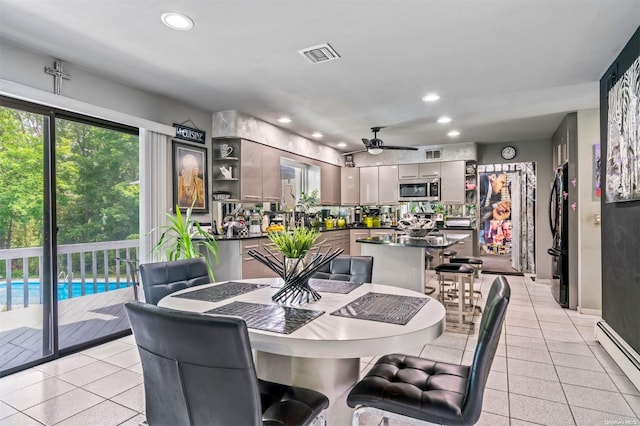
x=444 y=119
x=431 y=97
x=341 y=144
x=317 y=135
x=453 y=133
x=284 y=120
x=177 y=21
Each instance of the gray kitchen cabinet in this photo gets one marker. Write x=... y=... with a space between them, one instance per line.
x=271 y=183
x=251 y=268
x=466 y=247
x=356 y=234
x=452 y=187
x=408 y=171
x=330 y=184
x=381 y=232
x=350 y=186
x=369 y=185
x=429 y=170
x=388 y=185
x=251 y=171
x=341 y=240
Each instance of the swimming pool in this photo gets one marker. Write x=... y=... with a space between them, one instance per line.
x=33 y=288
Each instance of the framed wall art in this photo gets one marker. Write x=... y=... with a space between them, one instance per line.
x=190 y=171
x=623 y=146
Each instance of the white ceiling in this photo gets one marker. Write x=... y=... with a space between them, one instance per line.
x=507 y=70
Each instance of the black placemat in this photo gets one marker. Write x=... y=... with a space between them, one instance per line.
x=279 y=319
x=333 y=286
x=221 y=292
x=390 y=308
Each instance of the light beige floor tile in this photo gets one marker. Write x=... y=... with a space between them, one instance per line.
x=136 y=368
x=89 y=373
x=64 y=406
x=134 y=421
x=572 y=348
x=6 y=410
x=490 y=419
x=557 y=326
x=498 y=381
x=19 y=419
x=451 y=340
x=588 y=417
x=496 y=402
x=586 y=378
x=528 y=354
x=437 y=353
x=522 y=322
x=106 y=413
x=563 y=336
x=526 y=342
x=539 y=411
x=535 y=370
x=634 y=402
x=107 y=350
x=20 y=380
x=624 y=385
x=605 y=360
x=577 y=361
x=37 y=393
x=115 y=383
x=536 y=388
x=66 y=363
x=132 y=398
x=610 y=402
x=125 y=359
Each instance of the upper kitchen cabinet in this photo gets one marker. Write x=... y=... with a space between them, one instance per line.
x=388 y=185
x=369 y=185
x=419 y=171
x=350 y=186
x=330 y=183
x=271 y=183
x=452 y=183
x=251 y=171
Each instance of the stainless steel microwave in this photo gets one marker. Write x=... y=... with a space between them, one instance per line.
x=419 y=190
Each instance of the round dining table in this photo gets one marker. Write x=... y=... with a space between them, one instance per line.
x=324 y=353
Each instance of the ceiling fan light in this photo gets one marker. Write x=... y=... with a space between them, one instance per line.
x=444 y=119
x=375 y=151
x=431 y=97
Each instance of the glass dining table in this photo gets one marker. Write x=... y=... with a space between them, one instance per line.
x=319 y=345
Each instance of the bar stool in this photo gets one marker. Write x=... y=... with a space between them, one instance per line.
x=476 y=262
x=460 y=275
x=428 y=258
x=447 y=254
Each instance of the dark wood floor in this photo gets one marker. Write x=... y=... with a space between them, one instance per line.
x=81 y=320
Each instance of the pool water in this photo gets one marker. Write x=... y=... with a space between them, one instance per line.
x=33 y=287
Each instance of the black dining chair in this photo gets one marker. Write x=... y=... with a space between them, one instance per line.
x=357 y=269
x=160 y=279
x=402 y=386
x=198 y=370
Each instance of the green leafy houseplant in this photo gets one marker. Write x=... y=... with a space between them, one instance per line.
x=176 y=241
x=294 y=244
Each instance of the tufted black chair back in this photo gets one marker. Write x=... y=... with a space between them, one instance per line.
x=198 y=370
x=488 y=339
x=163 y=278
x=357 y=269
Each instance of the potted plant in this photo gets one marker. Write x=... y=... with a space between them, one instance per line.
x=296 y=244
x=176 y=241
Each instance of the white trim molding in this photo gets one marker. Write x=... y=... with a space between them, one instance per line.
x=624 y=355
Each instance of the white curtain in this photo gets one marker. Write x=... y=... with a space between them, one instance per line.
x=154 y=190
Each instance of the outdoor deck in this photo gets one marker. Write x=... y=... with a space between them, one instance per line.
x=81 y=319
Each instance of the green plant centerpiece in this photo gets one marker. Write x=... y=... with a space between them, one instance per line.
x=177 y=240
x=291 y=266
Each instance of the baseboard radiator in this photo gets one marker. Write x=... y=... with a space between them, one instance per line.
x=626 y=357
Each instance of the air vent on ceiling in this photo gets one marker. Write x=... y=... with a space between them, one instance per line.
x=433 y=154
x=320 y=53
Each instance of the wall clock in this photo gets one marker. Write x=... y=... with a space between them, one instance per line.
x=508 y=153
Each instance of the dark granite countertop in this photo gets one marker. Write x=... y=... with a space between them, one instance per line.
x=439 y=241
x=264 y=234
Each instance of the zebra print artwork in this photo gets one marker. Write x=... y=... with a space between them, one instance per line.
x=623 y=146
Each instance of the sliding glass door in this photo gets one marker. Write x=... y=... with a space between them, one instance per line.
x=69 y=223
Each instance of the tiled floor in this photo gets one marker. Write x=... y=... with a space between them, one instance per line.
x=548 y=370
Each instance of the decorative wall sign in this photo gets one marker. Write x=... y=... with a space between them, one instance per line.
x=623 y=147
x=190 y=134
x=190 y=186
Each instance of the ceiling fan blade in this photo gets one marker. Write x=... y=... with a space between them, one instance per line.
x=406 y=148
x=366 y=142
x=354 y=152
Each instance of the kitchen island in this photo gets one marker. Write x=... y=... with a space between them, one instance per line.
x=399 y=260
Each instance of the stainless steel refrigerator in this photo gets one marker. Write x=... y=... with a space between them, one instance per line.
x=559 y=222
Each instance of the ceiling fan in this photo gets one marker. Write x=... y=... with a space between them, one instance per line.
x=375 y=146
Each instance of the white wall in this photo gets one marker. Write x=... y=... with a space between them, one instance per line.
x=589 y=234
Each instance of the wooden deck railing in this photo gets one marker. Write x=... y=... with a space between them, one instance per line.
x=110 y=261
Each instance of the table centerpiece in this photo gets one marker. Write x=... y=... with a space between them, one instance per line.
x=293 y=266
